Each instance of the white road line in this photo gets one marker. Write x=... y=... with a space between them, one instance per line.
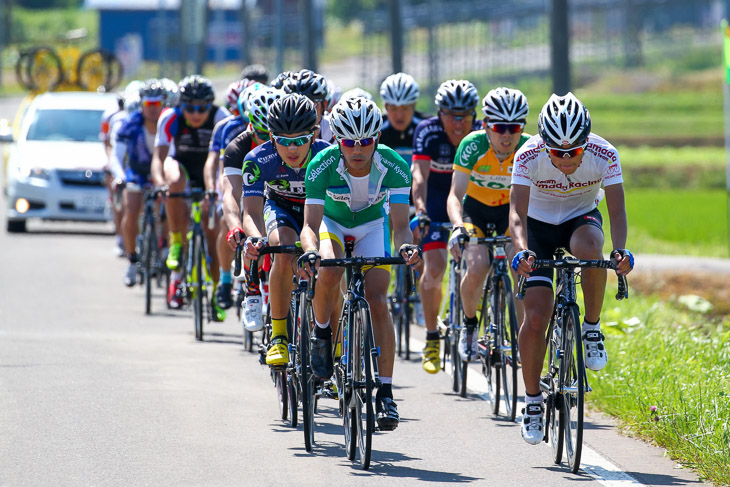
x=592 y=463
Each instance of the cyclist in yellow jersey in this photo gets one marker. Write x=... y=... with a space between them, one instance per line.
x=482 y=180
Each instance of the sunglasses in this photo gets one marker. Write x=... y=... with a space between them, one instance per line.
x=571 y=153
x=262 y=135
x=361 y=142
x=196 y=108
x=297 y=141
x=151 y=103
x=503 y=128
x=457 y=117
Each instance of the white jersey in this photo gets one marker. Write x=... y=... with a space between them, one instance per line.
x=556 y=197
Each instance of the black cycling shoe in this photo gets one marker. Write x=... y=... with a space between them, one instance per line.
x=387 y=413
x=223 y=297
x=321 y=357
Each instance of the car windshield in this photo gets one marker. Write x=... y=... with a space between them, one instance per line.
x=68 y=125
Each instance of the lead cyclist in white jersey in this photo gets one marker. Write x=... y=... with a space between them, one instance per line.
x=556 y=188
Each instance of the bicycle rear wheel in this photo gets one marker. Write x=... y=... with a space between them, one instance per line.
x=407 y=318
x=282 y=392
x=507 y=325
x=489 y=356
x=306 y=376
x=573 y=375
x=362 y=376
x=553 y=410
x=197 y=285
x=149 y=256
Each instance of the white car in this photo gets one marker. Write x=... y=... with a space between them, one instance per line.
x=56 y=167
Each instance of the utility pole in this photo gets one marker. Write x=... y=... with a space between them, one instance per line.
x=560 y=46
x=310 y=41
x=396 y=32
x=279 y=34
x=245 y=33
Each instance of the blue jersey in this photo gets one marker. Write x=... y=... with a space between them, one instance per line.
x=401 y=142
x=225 y=131
x=431 y=144
x=132 y=135
x=265 y=174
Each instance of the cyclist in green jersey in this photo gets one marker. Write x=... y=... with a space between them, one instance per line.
x=353 y=189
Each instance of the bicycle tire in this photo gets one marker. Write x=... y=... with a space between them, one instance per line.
x=507 y=324
x=349 y=417
x=573 y=376
x=455 y=329
x=489 y=364
x=97 y=68
x=282 y=393
x=197 y=285
x=363 y=377
x=307 y=379
x=553 y=410
x=44 y=70
x=396 y=312
x=21 y=69
x=149 y=247
x=292 y=376
x=407 y=318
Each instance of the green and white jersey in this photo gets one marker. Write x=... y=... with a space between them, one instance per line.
x=328 y=183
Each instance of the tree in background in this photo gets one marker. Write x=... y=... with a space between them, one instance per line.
x=41 y=4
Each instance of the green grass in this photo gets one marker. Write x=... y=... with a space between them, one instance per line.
x=679 y=222
x=675 y=360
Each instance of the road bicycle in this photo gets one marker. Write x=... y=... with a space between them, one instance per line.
x=197 y=281
x=566 y=381
x=498 y=324
x=356 y=370
x=151 y=250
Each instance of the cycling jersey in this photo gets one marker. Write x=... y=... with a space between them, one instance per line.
x=106 y=121
x=430 y=143
x=133 y=149
x=325 y=131
x=490 y=179
x=556 y=197
x=225 y=131
x=236 y=151
x=328 y=183
x=401 y=141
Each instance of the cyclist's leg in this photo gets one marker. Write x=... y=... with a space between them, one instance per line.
x=435 y=258
x=132 y=201
x=176 y=179
x=225 y=255
x=376 y=291
x=477 y=266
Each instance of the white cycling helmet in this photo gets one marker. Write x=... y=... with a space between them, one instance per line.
x=245 y=96
x=399 y=89
x=355 y=118
x=564 y=120
x=173 y=95
x=258 y=106
x=505 y=105
x=356 y=92
x=459 y=95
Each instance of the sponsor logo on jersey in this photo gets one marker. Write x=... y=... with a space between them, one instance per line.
x=530 y=154
x=492 y=182
x=522 y=169
x=468 y=152
x=602 y=152
x=614 y=168
x=251 y=173
x=551 y=184
x=322 y=167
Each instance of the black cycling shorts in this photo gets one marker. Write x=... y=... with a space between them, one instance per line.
x=479 y=215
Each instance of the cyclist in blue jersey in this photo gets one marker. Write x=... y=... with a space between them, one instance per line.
x=400 y=93
x=181 y=148
x=273 y=204
x=434 y=147
x=131 y=159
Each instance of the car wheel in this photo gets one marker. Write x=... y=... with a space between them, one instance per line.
x=16 y=226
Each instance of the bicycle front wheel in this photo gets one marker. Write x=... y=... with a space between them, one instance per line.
x=306 y=377
x=506 y=320
x=362 y=376
x=197 y=285
x=292 y=375
x=574 y=379
x=149 y=257
x=490 y=356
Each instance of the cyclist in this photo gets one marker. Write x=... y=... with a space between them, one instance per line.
x=353 y=189
x=434 y=146
x=334 y=93
x=313 y=86
x=556 y=188
x=131 y=161
x=181 y=148
x=273 y=205
x=482 y=176
x=256 y=72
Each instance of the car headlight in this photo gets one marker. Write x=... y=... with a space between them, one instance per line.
x=34 y=172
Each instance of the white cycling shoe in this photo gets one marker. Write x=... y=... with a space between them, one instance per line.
x=253 y=319
x=532 y=423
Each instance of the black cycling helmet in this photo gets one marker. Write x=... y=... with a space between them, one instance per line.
x=307 y=83
x=291 y=114
x=457 y=95
x=152 y=88
x=196 y=88
x=256 y=72
x=280 y=79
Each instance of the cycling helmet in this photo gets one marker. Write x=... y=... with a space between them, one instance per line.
x=258 y=107
x=307 y=83
x=399 y=89
x=505 y=105
x=173 y=95
x=458 y=95
x=356 y=92
x=233 y=92
x=256 y=72
x=279 y=81
x=291 y=114
x=196 y=88
x=564 y=120
x=245 y=96
x=355 y=118
x=131 y=96
x=334 y=94
x=152 y=88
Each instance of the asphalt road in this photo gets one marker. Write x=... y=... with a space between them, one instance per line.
x=93 y=392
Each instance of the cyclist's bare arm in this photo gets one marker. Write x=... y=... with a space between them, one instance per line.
x=616 y=206
x=211 y=170
x=232 y=187
x=401 y=230
x=420 y=169
x=253 y=216
x=459 y=184
x=310 y=230
x=157 y=171
x=519 y=200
